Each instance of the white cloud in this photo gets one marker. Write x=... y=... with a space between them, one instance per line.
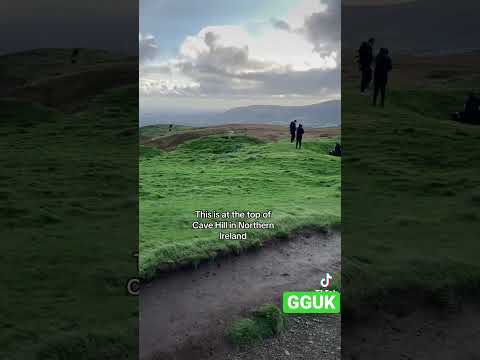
x=296 y=17
x=148 y=48
x=296 y=55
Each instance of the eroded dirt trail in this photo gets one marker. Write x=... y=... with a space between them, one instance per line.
x=183 y=315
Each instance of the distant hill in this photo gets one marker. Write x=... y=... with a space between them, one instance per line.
x=325 y=114
x=49 y=77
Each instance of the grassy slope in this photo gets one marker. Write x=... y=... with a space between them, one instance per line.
x=411 y=188
x=65 y=226
x=230 y=173
x=152 y=131
x=30 y=66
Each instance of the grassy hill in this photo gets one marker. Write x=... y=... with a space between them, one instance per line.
x=411 y=184
x=48 y=77
x=68 y=229
x=230 y=172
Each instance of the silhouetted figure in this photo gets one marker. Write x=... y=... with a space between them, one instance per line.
x=74 y=55
x=170 y=127
x=365 y=60
x=337 y=151
x=293 y=129
x=471 y=112
x=383 y=65
x=300 y=133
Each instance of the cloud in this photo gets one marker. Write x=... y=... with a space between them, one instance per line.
x=147 y=47
x=323 y=28
x=281 y=24
x=165 y=79
x=294 y=56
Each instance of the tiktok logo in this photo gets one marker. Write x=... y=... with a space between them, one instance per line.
x=326 y=281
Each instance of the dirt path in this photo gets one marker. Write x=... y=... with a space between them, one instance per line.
x=183 y=315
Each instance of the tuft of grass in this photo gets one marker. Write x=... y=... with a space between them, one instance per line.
x=265 y=322
x=336 y=284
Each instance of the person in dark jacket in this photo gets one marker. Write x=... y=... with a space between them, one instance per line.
x=471 y=112
x=300 y=133
x=472 y=108
x=383 y=65
x=337 y=151
x=74 y=56
x=365 y=60
x=293 y=129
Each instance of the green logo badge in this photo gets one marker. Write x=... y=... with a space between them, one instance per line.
x=311 y=302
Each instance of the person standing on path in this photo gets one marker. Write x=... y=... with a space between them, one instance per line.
x=293 y=129
x=300 y=133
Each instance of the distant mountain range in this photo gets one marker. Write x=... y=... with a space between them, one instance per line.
x=325 y=114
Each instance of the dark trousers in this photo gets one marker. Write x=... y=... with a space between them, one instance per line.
x=366 y=78
x=292 y=137
x=298 y=145
x=380 y=87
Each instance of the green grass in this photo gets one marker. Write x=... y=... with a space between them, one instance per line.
x=411 y=188
x=69 y=228
x=225 y=173
x=265 y=322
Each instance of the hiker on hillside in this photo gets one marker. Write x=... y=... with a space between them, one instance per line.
x=74 y=56
x=293 y=129
x=383 y=65
x=365 y=60
x=300 y=133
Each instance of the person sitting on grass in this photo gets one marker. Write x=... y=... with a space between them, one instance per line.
x=337 y=151
x=293 y=129
x=471 y=112
x=300 y=133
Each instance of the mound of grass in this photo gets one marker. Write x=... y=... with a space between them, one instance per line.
x=265 y=322
x=409 y=175
x=68 y=230
x=218 y=145
x=224 y=173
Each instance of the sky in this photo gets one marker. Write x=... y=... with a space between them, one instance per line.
x=106 y=24
x=214 y=55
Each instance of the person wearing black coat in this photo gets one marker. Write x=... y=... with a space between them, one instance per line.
x=383 y=65
x=293 y=129
x=300 y=133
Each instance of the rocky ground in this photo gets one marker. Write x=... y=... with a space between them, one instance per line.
x=307 y=337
